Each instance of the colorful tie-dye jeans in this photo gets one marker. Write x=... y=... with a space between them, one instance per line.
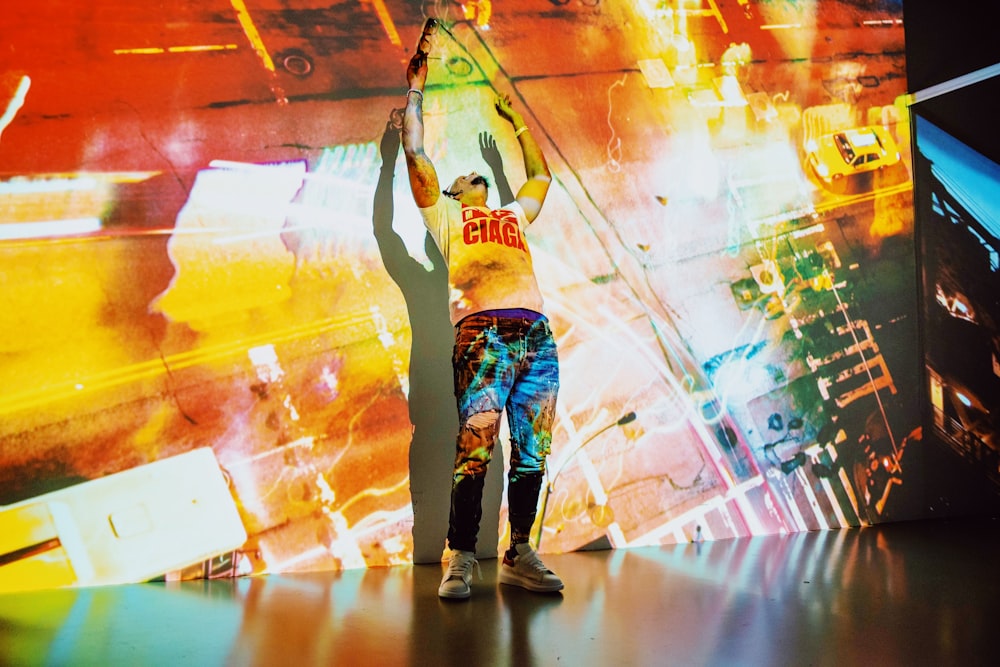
x=501 y=363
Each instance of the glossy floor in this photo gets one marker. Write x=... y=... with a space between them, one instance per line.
x=922 y=593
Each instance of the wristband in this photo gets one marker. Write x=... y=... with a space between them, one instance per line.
x=524 y=128
x=414 y=90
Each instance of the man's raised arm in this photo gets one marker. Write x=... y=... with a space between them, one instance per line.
x=423 y=177
x=532 y=194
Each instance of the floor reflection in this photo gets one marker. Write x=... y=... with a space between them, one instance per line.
x=911 y=593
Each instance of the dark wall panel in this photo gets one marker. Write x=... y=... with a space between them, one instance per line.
x=945 y=40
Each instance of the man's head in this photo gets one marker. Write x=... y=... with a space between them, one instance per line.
x=470 y=190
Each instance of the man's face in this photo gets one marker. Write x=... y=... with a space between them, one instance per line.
x=469 y=189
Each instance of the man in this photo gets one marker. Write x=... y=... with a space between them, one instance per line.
x=505 y=354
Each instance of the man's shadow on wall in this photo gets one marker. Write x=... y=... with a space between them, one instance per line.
x=432 y=406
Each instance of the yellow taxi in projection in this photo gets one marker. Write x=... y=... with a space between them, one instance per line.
x=854 y=151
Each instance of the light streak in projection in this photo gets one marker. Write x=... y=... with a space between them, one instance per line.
x=253 y=35
x=47 y=185
x=73 y=197
x=615 y=533
x=124 y=375
x=806 y=486
x=156 y=50
x=717 y=15
x=80 y=200
x=44 y=228
x=882 y=22
x=614 y=145
x=15 y=104
x=306 y=443
x=72 y=182
x=373 y=492
x=382 y=12
x=814 y=452
x=791 y=507
x=848 y=487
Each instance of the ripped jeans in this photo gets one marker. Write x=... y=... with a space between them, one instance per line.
x=501 y=363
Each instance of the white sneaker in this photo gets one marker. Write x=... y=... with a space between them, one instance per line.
x=527 y=570
x=456 y=580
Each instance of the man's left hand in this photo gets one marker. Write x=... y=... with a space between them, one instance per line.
x=505 y=109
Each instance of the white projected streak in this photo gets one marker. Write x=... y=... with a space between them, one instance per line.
x=614 y=146
x=15 y=104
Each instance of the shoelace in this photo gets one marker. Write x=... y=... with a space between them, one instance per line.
x=460 y=564
x=532 y=560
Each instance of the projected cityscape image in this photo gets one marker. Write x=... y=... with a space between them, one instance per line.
x=212 y=269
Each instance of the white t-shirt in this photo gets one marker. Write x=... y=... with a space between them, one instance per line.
x=489 y=264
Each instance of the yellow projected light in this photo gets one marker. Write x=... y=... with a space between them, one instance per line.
x=51 y=207
x=125 y=528
x=210 y=244
x=31 y=551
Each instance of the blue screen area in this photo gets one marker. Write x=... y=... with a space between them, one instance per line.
x=960 y=240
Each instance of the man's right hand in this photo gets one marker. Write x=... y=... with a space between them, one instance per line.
x=416 y=71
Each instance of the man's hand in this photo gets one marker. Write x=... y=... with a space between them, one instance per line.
x=532 y=193
x=416 y=71
x=506 y=110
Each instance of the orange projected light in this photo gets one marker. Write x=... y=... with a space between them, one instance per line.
x=208 y=242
